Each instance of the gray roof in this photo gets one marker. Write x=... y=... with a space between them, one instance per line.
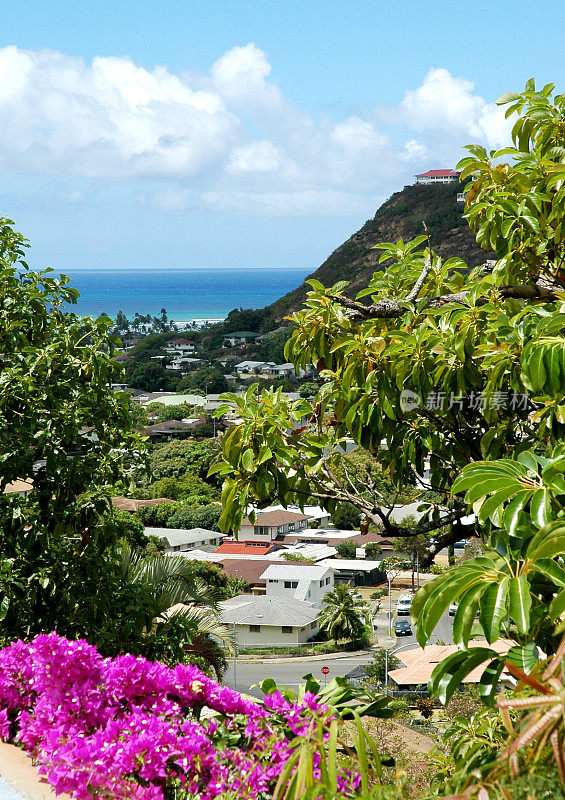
x=178 y=536
x=248 y=609
x=356 y=565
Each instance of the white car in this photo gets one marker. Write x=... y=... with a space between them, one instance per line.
x=404 y=605
x=452 y=609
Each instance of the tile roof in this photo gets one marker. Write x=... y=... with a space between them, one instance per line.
x=420 y=662
x=243 y=548
x=247 y=609
x=275 y=518
x=251 y=571
x=437 y=173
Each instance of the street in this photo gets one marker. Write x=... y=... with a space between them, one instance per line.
x=291 y=673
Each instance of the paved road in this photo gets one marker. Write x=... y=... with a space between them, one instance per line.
x=290 y=674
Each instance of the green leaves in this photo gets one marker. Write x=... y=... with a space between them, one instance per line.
x=543 y=366
x=520 y=603
x=494 y=608
x=449 y=673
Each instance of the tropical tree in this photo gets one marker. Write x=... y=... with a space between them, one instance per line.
x=341 y=617
x=454 y=381
x=185 y=625
x=65 y=433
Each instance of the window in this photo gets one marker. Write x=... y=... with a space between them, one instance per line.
x=290 y=584
x=302 y=523
x=280 y=528
x=321 y=583
x=291 y=526
x=327 y=581
x=255 y=628
x=261 y=530
x=286 y=629
x=313 y=625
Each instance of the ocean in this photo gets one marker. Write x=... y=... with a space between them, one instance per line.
x=186 y=294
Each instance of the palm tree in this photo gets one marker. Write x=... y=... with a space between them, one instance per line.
x=184 y=609
x=342 y=617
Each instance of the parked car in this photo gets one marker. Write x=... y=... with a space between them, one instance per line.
x=461 y=545
x=453 y=608
x=404 y=605
x=402 y=627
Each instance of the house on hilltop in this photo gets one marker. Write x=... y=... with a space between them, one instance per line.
x=438 y=176
x=270 y=524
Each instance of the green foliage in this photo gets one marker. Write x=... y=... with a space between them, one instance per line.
x=184 y=487
x=70 y=436
x=425 y=706
x=174 y=459
x=341 y=617
x=373 y=550
x=347 y=549
x=346 y=517
x=177 y=515
x=208 y=379
x=376 y=668
x=298 y=557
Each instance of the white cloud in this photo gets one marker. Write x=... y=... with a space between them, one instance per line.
x=253 y=157
x=227 y=140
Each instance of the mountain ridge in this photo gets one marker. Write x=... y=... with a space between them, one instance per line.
x=399 y=217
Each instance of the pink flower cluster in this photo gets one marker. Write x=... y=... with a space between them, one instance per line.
x=126 y=727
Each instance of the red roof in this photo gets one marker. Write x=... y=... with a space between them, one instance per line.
x=438 y=173
x=241 y=548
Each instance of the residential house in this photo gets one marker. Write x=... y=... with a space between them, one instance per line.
x=269 y=621
x=357 y=572
x=438 y=176
x=180 y=346
x=238 y=338
x=307 y=582
x=230 y=547
x=177 y=540
x=270 y=524
x=183 y=364
x=171 y=429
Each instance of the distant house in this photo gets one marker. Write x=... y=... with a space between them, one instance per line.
x=438 y=176
x=240 y=337
x=183 y=364
x=302 y=581
x=269 y=621
x=270 y=524
x=180 y=346
x=171 y=429
x=267 y=369
x=179 y=539
x=247 y=549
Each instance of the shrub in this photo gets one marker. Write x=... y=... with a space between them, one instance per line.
x=425 y=706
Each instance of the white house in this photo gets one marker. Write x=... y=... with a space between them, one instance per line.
x=263 y=621
x=270 y=524
x=438 y=176
x=183 y=363
x=240 y=337
x=180 y=346
x=308 y=582
x=180 y=539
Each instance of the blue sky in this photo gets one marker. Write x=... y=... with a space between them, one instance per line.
x=244 y=134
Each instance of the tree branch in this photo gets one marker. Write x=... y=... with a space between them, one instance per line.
x=388 y=308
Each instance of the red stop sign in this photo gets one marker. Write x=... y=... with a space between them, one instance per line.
x=325 y=670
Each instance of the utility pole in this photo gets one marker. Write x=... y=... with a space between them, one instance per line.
x=234 y=658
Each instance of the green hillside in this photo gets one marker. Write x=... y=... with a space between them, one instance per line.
x=400 y=217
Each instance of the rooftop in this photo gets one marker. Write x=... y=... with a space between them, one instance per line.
x=276 y=518
x=292 y=571
x=179 y=536
x=421 y=661
x=243 y=548
x=438 y=173
x=248 y=609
